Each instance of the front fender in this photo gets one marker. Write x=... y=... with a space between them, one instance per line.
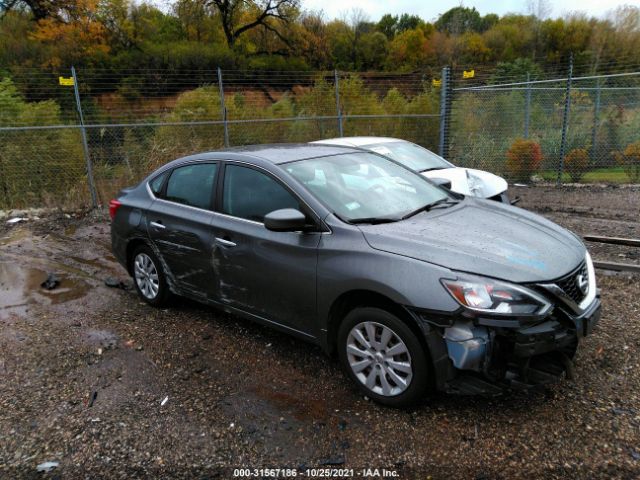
x=347 y=263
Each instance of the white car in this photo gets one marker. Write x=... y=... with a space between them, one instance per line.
x=467 y=181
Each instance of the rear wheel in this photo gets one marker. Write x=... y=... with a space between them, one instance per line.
x=383 y=357
x=149 y=278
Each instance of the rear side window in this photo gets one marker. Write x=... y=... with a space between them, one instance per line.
x=251 y=194
x=156 y=183
x=192 y=185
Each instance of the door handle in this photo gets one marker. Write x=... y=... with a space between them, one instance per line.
x=157 y=225
x=224 y=242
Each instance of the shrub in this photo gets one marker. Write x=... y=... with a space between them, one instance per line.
x=36 y=165
x=629 y=160
x=523 y=159
x=576 y=163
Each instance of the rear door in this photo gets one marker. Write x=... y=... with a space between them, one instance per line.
x=179 y=226
x=269 y=274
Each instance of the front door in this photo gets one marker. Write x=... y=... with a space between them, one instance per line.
x=269 y=274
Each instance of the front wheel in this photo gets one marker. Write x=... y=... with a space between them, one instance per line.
x=383 y=357
x=149 y=278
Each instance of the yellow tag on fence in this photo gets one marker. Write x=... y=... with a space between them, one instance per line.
x=436 y=83
x=468 y=74
x=66 y=82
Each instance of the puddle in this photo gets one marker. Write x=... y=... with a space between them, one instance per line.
x=92 y=262
x=302 y=408
x=20 y=288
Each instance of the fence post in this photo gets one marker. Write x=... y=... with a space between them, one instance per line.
x=85 y=144
x=596 y=122
x=565 y=122
x=223 y=108
x=445 y=112
x=338 y=109
x=527 y=107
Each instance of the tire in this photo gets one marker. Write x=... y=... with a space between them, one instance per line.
x=401 y=379
x=151 y=287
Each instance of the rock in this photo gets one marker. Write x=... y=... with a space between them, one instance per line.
x=51 y=282
x=115 y=283
x=47 y=466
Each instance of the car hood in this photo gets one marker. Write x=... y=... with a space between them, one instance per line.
x=469 y=181
x=485 y=238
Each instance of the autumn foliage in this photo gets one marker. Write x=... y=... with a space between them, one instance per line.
x=523 y=159
x=629 y=160
x=576 y=163
x=285 y=35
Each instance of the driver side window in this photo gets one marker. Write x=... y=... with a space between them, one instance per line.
x=251 y=194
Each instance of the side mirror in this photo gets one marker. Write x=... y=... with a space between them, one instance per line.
x=285 y=220
x=442 y=182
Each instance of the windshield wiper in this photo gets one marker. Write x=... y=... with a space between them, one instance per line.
x=373 y=220
x=429 y=206
x=431 y=168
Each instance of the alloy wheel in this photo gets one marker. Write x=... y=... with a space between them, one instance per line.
x=146 y=275
x=379 y=358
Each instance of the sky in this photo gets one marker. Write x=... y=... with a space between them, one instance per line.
x=429 y=10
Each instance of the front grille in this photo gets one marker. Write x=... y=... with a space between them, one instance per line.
x=569 y=284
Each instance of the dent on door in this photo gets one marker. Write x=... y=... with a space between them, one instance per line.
x=269 y=274
x=183 y=239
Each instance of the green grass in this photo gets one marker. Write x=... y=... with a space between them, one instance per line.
x=600 y=175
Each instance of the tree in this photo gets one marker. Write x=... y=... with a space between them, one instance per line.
x=540 y=9
x=408 y=22
x=240 y=16
x=40 y=9
x=372 y=50
x=407 y=50
x=75 y=37
x=193 y=17
x=459 y=20
x=388 y=25
x=516 y=70
x=314 y=39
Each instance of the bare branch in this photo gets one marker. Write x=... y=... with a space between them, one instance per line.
x=228 y=9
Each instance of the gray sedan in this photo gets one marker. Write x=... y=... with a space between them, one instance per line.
x=411 y=286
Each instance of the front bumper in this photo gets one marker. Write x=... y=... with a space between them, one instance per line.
x=552 y=335
x=470 y=358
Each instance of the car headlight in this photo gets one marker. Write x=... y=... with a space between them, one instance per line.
x=485 y=295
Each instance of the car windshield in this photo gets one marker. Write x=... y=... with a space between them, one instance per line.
x=410 y=155
x=366 y=188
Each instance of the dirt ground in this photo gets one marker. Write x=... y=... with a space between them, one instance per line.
x=109 y=387
x=610 y=211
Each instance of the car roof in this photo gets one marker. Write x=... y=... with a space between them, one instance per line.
x=276 y=153
x=357 y=141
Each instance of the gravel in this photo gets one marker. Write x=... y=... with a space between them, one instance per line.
x=107 y=386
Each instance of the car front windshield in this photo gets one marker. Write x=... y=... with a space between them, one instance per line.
x=363 y=186
x=410 y=155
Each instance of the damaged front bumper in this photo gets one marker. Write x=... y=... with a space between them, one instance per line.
x=484 y=356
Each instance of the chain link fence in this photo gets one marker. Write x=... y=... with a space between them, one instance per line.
x=582 y=129
x=69 y=145
x=77 y=140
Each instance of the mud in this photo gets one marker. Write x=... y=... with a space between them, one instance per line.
x=84 y=372
x=20 y=288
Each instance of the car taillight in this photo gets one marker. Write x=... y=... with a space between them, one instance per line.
x=113 y=208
